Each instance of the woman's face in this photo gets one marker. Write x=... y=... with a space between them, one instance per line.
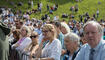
x=34 y=38
x=23 y=32
x=70 y=45
x=47 y=34
x=63 y=30
x=14 y=36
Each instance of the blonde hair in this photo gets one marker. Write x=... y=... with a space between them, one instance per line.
x=64 y=24
x=49 y=27
x=34 y=33
x=28 y=32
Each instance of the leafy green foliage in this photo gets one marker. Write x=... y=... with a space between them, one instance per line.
x=89 y=6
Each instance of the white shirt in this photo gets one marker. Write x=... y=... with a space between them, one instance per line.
x=52 y=50
x=97 y=11
x=40 y=38
x=70 y=57
x=24 y=44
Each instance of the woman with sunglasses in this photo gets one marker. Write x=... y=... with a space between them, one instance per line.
x=52 y=49
x=31 y=49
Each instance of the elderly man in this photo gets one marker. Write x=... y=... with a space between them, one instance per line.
x=95 y=47
x=71 y=42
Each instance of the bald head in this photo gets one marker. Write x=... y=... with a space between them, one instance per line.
x=93 y=33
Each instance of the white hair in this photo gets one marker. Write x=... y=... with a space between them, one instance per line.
x=66 y=26
x=73 y=37
x=99 y=27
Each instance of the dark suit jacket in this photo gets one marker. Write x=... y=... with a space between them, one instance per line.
x=66 y=56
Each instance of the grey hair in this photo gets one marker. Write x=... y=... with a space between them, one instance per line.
x=66 y=26
x=73 y=37
x=99 y=27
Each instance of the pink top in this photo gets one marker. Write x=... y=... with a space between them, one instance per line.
x=20 y=40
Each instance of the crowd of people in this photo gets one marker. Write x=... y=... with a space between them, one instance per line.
x=22 y=38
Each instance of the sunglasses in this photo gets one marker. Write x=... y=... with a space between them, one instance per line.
x=44 y=31
x=33 y=36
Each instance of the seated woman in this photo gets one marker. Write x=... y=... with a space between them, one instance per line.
x=12 y=52
x=71 y=42
x=52 y=49
x=60 y=36
x=32 y=48
x=16 y=36
x=65 y=28
x=24 y=41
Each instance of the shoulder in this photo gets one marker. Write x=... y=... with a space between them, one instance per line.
x=56 y=41
x=81 y=54
x=103 y=44
x=28 y=38
x=102 y=50
x=85 y=47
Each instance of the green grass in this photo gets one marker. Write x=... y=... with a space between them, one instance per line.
x=90 y=6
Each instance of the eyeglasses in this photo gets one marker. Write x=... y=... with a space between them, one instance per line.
x=33 y=36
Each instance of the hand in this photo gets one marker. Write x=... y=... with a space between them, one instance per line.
x=44 y=39
x=16 y=45
x=63 y=51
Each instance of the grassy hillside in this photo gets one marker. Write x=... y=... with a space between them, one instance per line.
x=89 y=6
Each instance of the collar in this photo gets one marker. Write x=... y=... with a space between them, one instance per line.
x=98 y=46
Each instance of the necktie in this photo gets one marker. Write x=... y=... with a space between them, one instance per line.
x=92 y=51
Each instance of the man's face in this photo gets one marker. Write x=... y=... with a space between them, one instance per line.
x=92 y=35
x=17 y=25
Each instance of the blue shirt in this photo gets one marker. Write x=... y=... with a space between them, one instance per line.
x=61 y=38
x=39 y=31
x=85 y=51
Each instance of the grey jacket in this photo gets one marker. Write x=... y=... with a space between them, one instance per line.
x=4 y=44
